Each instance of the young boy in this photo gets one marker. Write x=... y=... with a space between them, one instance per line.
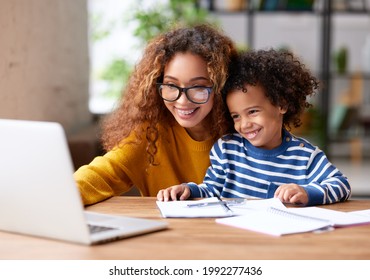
x=265 y=94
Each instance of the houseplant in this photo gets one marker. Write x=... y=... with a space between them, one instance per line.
x=149 y=19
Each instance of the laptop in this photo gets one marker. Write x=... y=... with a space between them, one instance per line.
x=38 y=195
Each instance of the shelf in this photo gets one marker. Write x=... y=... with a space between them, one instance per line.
x=255 y=12
x=277 y=7
x=325 y=13
x=364 y=76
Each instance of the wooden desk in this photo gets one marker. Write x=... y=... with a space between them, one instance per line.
x=192 y=239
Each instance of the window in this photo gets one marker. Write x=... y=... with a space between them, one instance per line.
x=118 y=32
x=113 y=51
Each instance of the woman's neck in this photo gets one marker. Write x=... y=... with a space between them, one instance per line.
x=198 y=133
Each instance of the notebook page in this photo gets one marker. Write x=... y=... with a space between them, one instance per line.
x=274 y=222
x=338 y=218
x=365 y=212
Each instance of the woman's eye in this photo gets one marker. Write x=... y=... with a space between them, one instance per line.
x=170 y=86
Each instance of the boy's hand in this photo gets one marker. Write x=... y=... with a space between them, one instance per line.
x=291 y=193
x=172 y=193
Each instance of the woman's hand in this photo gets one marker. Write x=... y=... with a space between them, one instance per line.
x=181 y=192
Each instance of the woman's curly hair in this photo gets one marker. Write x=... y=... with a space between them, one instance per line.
x=141 y=103
x=286 y=80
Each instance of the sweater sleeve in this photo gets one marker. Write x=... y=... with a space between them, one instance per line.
x=179 y=158
x=327 y=184
x=103 y=178
x=111 y=174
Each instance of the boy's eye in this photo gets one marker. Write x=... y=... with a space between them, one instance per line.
x=251 y=112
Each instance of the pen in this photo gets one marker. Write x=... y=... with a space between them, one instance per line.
x=203 y=204
x=227 y=208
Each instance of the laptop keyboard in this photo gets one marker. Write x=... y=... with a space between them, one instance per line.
x=95 y=228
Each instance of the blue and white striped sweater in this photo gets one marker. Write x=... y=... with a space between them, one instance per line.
x=238 y=169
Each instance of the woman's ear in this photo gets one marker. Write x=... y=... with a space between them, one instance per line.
x=283 y=109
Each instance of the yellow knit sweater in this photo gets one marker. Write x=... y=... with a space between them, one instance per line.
x=181 y=159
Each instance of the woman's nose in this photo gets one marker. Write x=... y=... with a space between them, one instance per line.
x=183 y=98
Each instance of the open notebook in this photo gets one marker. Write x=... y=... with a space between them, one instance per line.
x=38 y=195
x=279 y=221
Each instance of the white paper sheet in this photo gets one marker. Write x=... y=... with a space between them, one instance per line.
x=180 y=209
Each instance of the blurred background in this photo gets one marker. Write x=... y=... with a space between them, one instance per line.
x=68 y=60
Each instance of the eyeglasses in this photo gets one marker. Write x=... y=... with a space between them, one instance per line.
x=195 y=94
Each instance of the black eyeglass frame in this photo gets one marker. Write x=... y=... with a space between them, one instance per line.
x=184 y=90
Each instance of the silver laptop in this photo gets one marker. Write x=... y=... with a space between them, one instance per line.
x=38 y=195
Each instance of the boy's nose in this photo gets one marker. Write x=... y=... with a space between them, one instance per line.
x=245 y=123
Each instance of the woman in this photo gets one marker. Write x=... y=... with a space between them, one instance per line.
x=170 y=115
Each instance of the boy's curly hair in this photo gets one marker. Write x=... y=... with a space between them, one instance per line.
x=286 y=80
x=141 y=109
